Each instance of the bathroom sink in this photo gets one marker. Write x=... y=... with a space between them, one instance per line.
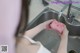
x=50 y=38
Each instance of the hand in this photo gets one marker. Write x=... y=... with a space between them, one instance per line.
x=65 y=33
x=45 y=24
x=64 y=41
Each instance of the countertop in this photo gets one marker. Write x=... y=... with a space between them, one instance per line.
x=36 y=7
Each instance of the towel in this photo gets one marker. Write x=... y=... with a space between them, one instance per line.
x=55 y=25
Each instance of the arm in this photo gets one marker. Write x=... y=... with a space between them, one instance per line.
x=34 y=31
x=64 y=42
x=25 y=45
x=9 y=19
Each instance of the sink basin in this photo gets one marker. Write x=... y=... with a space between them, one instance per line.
x=50 y=38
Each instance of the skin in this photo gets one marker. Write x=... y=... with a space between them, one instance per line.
x=25 y=46
x=9 y=19
x=64 y=41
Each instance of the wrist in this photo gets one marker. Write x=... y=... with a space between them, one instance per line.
x=40 y=27
x=64 y=36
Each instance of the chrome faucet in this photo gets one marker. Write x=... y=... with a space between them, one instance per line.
x=70 y=16
x=61 y=12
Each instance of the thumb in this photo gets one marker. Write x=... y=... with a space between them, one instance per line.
x=49 y=21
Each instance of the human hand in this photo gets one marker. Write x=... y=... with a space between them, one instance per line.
x=44 y=24
x=64 y=41
x=65 y=33
x=59 y=27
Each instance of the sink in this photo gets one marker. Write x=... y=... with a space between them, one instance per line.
x=50 y=38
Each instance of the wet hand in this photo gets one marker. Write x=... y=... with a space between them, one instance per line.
x=45 y=24
x=65 y=33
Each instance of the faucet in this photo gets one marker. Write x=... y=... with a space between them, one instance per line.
x=45 y=3
x=70 y=16
x=61 y=12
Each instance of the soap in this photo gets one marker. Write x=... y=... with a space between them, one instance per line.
x=55 y=25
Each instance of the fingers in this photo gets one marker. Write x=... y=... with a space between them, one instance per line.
x=65 y=31
x=65 y=28
x=49 y=21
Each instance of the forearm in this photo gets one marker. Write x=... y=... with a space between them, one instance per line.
x=34 y=31
x=63 y=45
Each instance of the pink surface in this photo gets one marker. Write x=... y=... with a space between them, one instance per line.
x=55 y=25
